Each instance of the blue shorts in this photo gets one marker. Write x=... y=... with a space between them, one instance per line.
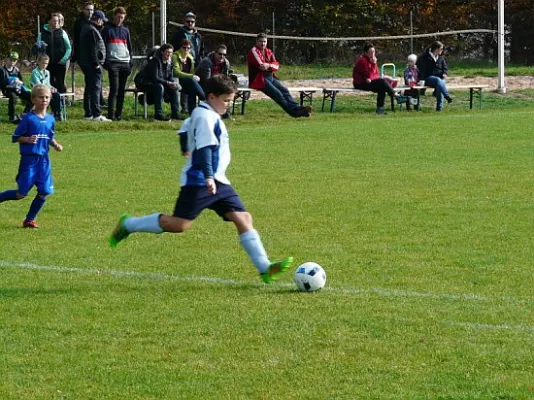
x=192 y=200
x=35 y=170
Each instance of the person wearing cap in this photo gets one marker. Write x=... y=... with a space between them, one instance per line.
x=189 y=31
x=12 y=86
x=91 y=58
x=118 y=61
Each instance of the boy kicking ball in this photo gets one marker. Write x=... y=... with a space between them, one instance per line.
x=204 y=183
x=35 y=134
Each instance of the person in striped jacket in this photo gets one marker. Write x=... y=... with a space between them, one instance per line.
x=118 y=61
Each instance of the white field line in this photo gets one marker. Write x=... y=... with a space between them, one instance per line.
x=230 y=282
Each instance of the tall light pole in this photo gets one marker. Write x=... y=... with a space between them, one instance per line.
x=501 y=88
x=163 y=20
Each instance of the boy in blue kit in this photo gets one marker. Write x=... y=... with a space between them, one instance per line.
x=35 y=134
x=204 y=184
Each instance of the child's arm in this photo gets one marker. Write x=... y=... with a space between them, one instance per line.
x=54 y=143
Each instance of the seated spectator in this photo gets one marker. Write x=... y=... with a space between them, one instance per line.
x=365 y=76
x=433 y=71
x=411 y=77
x=215 y=63
x=184 y=67
x=156 y=80
x=12 y=87
x=262 y=66
x=41 y=76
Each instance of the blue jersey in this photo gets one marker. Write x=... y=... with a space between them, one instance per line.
x=43 y=128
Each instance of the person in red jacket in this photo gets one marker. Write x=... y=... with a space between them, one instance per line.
x=365 y=76
x=262 y=66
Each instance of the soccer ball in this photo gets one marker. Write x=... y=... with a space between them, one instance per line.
x=310 y=277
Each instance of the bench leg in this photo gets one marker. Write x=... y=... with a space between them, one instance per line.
x=333 y=101
x=471 y=98
x=243 y=101
x=135 y=105
x=392 y=103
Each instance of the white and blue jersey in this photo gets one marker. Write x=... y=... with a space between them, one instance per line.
x=206 y=129
x=35 y=168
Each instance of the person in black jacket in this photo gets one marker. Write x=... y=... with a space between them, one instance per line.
x=12 y=86
x=156 y=80
x=433 y=70
x=83 y=19
x=91 y=58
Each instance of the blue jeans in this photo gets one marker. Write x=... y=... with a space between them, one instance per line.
x=278 y=92
x=440 y=90
x=193 y=90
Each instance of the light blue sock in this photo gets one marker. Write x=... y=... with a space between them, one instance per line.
x=148 y=223
x=8 y=195
x=252 y=244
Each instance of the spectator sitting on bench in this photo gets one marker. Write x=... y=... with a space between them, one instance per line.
x=433 y=70
x=215 y=63
x=184 y=68
x=261 y=75
x=365 y=76
x=411 y=77
x=156 y=80
x=41 y=76
x=12 y=87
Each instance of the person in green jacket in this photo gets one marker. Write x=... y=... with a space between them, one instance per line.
x=184 y=67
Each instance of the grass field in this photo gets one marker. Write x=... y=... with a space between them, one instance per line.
x=422 y=221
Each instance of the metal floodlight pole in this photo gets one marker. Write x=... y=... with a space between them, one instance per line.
x=411 y=32
x=153 y=29
x=163 y=20
x=501 y=88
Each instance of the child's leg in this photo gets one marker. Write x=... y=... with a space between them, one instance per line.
x=250 y=240
x=37 y=203
x=157 y=223
x=10 y=195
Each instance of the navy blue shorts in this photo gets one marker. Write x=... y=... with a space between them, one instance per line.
x=192 y=200
x=35 y=170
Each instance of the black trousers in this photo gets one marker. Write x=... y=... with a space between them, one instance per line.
x=92 y=91
x=12 y=95
x=378 y=86
x=57 y=76
x=118 y=73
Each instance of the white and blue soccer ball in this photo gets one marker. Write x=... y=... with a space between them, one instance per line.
x=310 y=277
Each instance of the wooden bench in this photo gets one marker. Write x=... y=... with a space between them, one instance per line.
x=305 y=94
x=331 y=94
x=473 y=90
x=136 y=92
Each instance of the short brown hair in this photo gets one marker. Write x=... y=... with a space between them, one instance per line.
x=119 y=10
x=184 y=42
x=261 y=35
x=43 y=58
x=219 y=85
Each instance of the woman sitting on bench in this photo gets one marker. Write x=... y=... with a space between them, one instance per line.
x=433 y=70
x=365 y=76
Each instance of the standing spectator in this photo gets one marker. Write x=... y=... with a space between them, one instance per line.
x=262 y=66
x=433 y=70
x=12 y=86
x=156 y=80
x=365 y=76
x=189 y=31
x=118 y=61
x=83 y=19
x=91 y=59
x=184 y=67
x=41 y=76
x=58 y=48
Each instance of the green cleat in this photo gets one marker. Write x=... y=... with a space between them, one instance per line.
x=275 y=269
x=119 y=233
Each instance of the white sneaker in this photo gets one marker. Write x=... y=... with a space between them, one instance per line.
x=88 y=118
x=101 y=118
